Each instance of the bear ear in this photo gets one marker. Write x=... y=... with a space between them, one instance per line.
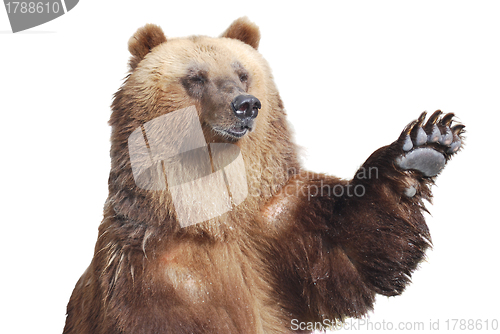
x=144 y=39
x=245 y=31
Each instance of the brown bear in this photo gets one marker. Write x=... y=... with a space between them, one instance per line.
x=213 y=226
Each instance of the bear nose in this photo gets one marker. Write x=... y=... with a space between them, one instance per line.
x=246 y=106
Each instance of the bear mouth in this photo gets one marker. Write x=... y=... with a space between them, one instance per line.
x=237 y=131
x=234 y=132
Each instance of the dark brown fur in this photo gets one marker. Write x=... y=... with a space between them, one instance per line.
x=292 y=250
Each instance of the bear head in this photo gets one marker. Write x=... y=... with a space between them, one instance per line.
x=225 y=78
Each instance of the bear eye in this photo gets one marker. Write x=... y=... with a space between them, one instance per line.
x=194 y=82
x=243 y=77
x=198 y=78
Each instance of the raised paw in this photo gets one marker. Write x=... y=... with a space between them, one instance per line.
x=427 y=147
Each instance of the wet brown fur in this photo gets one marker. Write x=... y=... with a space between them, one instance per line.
x=290 y=251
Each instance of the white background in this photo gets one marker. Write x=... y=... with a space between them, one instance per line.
x=351 y=74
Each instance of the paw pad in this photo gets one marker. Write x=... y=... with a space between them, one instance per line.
x=425 y=160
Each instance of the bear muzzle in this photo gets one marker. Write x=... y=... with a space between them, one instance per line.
x=246 y=108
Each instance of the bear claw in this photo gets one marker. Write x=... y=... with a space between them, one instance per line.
x=426 y=148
